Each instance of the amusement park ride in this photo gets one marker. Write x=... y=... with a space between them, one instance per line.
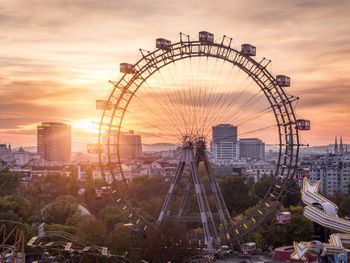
x=48 y=247
x=324 y=213
x=218 y=226
x=12 y=243
x=63 y=247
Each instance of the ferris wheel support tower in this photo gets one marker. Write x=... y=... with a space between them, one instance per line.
x=192 y=153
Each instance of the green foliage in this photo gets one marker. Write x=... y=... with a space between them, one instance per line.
x=148 y=192
x=110 y=216
x=262 y=186
x=146 y=187
x=120 y=239
x=272 y=235
x=344 y=206
x=60 y=211
x=92 y=230
x=237 y=193
x=343 y=202
x=46 y=189
x=8 y=182
x=293 y=198
x=15 y=208
x=55 y=198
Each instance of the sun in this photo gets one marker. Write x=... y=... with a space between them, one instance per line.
x=86 y=125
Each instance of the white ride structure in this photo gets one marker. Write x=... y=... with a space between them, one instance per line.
x=325 y=213
x=320 y=209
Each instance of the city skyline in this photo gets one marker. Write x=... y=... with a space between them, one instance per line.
x=56 y=65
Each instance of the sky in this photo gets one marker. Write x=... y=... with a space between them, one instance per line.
x=57 y=56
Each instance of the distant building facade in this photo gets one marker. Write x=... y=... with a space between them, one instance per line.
x=6 y=154
x=21 y=156
x=252 y=148
x=54 y=141
x=333 y=170
x=224 y=146
x=130 y=145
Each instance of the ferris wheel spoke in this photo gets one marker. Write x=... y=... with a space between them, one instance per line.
x=151 y=117
x=216 y=103
x=246 y=108
x=253 y=116
x=168 y=119
x=232 y=100
x=245 y=105
x=258 y=130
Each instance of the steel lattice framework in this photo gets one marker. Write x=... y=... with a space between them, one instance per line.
x=280 y=102
x=12 y=241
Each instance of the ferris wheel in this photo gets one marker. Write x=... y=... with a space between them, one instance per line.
x=176 y=94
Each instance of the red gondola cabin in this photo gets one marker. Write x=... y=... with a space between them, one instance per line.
x=283 y=81
x=283 y=218
x=163 y=44
x=248 y=50
x=127 y=68
x=248 y=248
x=303 y=125
x=206 y=37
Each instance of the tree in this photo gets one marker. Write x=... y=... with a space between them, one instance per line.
x=15 y=208
x=274 y=235
x=92 y=230
x=8 y=182
x=293 y=198
x=46 y=189
x=110 y=216
x=60 y=211
x=344 y=206
x=237 y=194
x=148 y=192
x=262 y=186
x=120 y=239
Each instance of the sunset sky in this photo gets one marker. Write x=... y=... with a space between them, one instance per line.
x=57 y=56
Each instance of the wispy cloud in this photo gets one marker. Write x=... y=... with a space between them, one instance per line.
x=57 y=56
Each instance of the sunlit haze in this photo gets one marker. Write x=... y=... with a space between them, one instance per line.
x=57 y=57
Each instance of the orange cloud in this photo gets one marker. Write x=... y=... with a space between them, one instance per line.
x=57 y=56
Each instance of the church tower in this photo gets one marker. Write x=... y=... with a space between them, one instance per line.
x=336 y=145
x=341 y=148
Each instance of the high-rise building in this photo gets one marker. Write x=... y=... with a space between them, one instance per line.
x=224 y=133
x=224 y=143
x=252 y=148
x=130 y=145
x=54 y=141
